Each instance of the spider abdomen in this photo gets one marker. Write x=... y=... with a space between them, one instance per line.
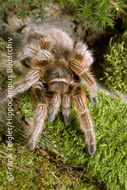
x=61 y=45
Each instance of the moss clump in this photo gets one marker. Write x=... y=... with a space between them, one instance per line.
x=99 y=13
x=115 y=64
x=3 y=45
x=22 y=8
x=37 y=170
x=25 y=104
x=109 y=164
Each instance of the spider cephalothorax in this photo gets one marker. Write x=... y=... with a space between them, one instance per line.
x=57 y=66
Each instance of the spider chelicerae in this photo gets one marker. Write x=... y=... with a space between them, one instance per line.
x=57 y=66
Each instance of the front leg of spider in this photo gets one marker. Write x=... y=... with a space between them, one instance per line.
x=54 y=107
x=31 y=77
x=80 y=63
x=40 y=114
x=93 y=94
x=79 y=98
x=66 y=108
x=38 y=57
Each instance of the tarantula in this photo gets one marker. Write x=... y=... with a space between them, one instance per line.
x=57 y=66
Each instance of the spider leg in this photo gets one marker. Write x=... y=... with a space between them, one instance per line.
x=35 y=50
x=83 y=55
x=79 y=98
x=40 y=114
x=31 y=78
x=29 y=51
x=66 y=108
x=79 y=64
x=54 y=107
x=42 y=59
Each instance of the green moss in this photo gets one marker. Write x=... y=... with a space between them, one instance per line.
x=3 y=45
x=25 y=104
x=37 y=170
x=109 y=164
x=99 y=13
x=4 y=80
x=115 y=64
x=22 y=8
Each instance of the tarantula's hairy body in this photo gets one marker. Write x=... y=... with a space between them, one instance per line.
x=57 y=65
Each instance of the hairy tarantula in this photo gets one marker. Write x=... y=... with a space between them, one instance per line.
x=57 y=66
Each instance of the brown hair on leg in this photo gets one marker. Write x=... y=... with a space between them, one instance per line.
x=79 y=98
x=66 y=108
